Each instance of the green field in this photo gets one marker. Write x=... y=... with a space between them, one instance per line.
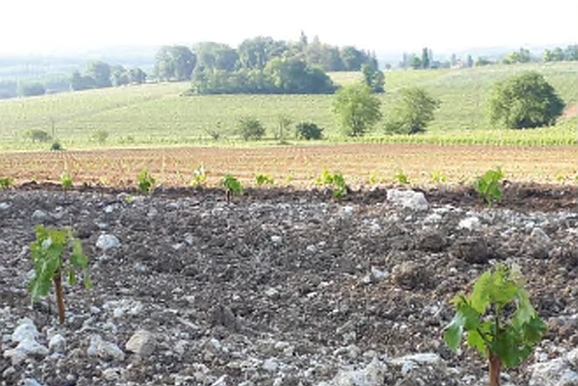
x=158 y=114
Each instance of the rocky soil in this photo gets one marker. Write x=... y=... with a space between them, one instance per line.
x=281 y=287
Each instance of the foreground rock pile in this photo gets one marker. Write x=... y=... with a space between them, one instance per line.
x=288 y=289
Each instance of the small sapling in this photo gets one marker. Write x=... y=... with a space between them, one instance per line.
x=56 y=253
x=232 y=186
x=488 y=186
x=497 y=319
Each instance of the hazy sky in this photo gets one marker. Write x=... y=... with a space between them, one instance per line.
x=46 y=26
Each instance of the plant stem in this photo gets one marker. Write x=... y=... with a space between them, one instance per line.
x=495 y=368
x=57 y=279
x=494 y=360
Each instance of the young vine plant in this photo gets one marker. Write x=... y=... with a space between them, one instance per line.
x=488 y=186
x=497 y=319
x=232 y=186
x=49 y=255
x=145 y=181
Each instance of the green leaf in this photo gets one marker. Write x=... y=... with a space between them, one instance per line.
x=471 y=316
x=71 y=277
x=454 y=330
x=78 y=258
x=533 y=330
x=87 y=281
x=476 y=341
x=479 y=315
x=524 y=311
x=479 y=298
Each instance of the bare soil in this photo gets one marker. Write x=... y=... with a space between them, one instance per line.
x=279 y=265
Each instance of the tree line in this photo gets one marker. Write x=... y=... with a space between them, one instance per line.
x=425 y=59
x=99 y=74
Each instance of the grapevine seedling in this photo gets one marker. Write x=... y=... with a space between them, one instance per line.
x=264 y=179
x=145 y=181
x=66 y=181
x=488 y=186
x=232 y=185
x=401 y=177
x=6 y=182
x=438 y=177
x=48 y=255
x=199 y=176
x=498 y=320
x=335 y=181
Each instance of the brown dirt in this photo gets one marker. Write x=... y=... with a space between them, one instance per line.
x=218 y=285
x=174 y=166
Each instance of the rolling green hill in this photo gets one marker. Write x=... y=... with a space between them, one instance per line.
x=158 y=114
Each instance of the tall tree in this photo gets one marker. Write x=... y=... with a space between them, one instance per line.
x=357 y=109
x=571 y=52
x=119 y=76
x=175 y=63
x=525 y=101
x=137 y=75
x=100 y=73
x=184 y=62
x=216 y=56
x=425 y=59
x=415 y=62
x=255 y=53
x=79 y=82
x=413 y=113
x=372 y=76
x=353 y=58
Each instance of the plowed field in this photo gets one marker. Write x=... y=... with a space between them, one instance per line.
x=297 y=166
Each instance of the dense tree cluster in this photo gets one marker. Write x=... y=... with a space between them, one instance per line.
x=280 y=76
x=100 y=74
x=558 y=54
x=262 y=65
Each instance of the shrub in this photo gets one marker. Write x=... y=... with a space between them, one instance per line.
x=251 y=128
x=214 y=134
x=56 y=146
x=308 y=131
x=100 y=136
x=36 y=135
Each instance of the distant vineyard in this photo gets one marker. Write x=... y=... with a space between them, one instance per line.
x=159 y=114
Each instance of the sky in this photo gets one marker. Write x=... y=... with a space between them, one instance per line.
x=62 y=26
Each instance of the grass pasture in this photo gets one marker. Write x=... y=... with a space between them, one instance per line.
x=157 y=114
